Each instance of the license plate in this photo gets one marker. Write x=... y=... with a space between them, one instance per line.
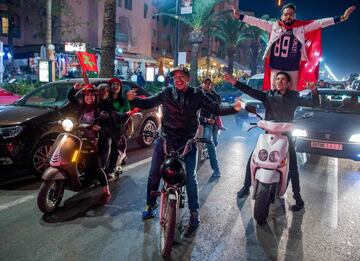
x=328 y=146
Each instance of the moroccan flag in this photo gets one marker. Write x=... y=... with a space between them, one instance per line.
x=87 y=62
x=308 y=70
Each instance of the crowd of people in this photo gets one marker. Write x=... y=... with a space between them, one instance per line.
x=184 y=107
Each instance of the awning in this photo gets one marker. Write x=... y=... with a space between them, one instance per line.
x=133 y=57
x=218 y=63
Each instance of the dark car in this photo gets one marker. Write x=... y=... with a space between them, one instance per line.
x=228 y=92
x=332 y=129
x=29 y=126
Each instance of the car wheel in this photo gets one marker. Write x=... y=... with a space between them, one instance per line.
x=40 y=157
x=148 y=125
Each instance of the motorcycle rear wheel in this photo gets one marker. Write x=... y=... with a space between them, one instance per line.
x=50 y=195
x=167 y=232
x=262 y=202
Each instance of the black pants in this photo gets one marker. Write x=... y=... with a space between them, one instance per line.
x=94 y=168
x=293 y=169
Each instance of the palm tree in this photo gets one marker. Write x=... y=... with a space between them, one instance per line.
x=108 y=40
x=231 y=32
x=258 y=38
x=202 y=16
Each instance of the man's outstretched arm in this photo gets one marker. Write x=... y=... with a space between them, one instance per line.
x=251 y=20
x=325 y=22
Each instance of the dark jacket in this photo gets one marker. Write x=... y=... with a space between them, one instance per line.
x=179 y=109
x=204 y=114
x=280 y=107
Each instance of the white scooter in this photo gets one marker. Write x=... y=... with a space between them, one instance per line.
x=269 y=164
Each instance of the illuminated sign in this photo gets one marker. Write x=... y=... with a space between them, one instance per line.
x=75 y=47
x=44 y=71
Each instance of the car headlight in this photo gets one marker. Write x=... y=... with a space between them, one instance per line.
x=274 y=156
x=355 y=138
x=11 y=132
x=263 y=154
x=299 y=133
x=67 y=125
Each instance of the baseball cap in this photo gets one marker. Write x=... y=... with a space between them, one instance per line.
x=181 y=69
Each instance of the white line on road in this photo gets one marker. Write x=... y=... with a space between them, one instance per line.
x=137 y=164
x=332 y=188
x=16 y=202
x=30 y=197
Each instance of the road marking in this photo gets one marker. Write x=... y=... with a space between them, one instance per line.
x=30 y=197
x=332 y=188
x=16 y=202
x=136 y=164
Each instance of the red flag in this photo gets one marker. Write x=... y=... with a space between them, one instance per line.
x=87 y=62
x=308 y=70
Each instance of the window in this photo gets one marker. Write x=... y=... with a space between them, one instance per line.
x=118 y=3
x=146 y=8
x=117 y=28
x=154 y=33
x=128 y=4
x=4 y=25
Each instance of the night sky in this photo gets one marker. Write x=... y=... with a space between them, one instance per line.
x=341 y=42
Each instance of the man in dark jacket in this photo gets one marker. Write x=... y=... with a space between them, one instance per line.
x=179 y=124
x=210 y=129
x=280 y=105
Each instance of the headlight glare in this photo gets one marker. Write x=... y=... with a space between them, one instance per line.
x=263 y=155
x=355 y=138
x=11 y=132
x=67 y=125
x=299 y=133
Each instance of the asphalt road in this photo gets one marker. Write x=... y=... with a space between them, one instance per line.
x=327 y=229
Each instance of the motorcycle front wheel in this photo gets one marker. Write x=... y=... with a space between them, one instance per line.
x=168 y=222
x=262 y=202
x=50 y=195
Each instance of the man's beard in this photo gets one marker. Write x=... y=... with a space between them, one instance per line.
x=288 y=22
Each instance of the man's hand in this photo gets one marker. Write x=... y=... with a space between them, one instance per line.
x=96 y=127
x=210 y=121
x=237 y=105
x=229 y=78
x=347 y=13
x=131 y=94
x=236 y=12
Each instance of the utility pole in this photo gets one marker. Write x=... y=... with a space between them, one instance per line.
x=49 y=46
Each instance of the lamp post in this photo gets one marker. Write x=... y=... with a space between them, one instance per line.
x=177 y=31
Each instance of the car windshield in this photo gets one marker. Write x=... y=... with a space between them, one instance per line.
x=256 y=83
x=48 y=96
x=341 y=102
x=227 y=88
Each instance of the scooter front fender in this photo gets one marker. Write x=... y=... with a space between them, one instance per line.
x=52 y=173
x=267 y=176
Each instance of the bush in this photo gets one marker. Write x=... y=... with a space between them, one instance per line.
x=21 y=87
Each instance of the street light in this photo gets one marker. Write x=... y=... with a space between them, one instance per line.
x=177 y=34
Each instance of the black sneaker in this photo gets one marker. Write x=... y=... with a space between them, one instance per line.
x=244 y=192
x=299 y=204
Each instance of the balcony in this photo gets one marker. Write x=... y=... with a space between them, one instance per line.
x=121 y=37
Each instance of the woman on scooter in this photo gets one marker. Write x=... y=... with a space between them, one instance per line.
x=89 y=113
x=280 y=105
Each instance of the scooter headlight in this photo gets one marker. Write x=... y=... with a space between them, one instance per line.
x=274 y=156
x=263 y=155
x=67 y=125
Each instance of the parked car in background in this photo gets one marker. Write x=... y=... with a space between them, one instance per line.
x=337 y=85
x=332 y=129
x=7 y=97
x=255 y=82
x=29 y=127
x=228 y=92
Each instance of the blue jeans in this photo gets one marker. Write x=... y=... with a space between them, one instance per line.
x=191 y=176
x=210 y=133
